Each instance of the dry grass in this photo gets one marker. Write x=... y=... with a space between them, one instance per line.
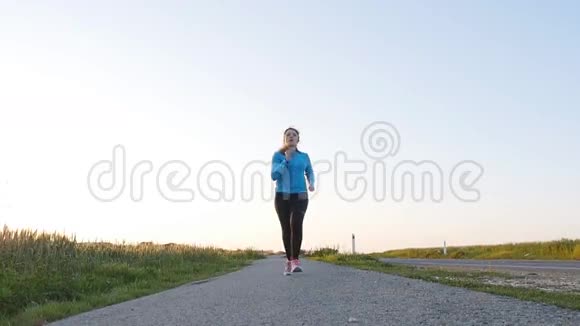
x=564 y=249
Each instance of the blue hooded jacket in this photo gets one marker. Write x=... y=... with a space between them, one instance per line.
x=289 y=174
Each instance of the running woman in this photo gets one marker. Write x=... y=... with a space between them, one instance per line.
x=289 y=167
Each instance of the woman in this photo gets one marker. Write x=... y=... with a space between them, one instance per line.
x=289 y=166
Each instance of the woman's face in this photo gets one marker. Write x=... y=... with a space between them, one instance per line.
x=291 y=138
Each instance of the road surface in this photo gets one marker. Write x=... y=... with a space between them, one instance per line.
x=324 y=294
x=528 y=265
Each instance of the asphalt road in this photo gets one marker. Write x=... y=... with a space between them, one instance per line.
x=324 y=294
x=510 y=264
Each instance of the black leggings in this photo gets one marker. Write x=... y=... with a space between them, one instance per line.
x=291 y=209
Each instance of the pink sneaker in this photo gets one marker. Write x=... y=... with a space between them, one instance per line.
x=296 y=266
x=287 y=267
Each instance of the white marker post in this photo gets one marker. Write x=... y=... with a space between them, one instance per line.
x=353 y=251
x=444 y=248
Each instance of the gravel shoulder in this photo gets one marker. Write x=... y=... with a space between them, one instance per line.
x=324 y=294
x=569 y=266
x=551 y=281
x=558 y=276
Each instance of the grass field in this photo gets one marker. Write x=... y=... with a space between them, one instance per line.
x=473 y=280
x=564 y=249
x=45 y=277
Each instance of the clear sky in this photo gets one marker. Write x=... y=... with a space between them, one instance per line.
x=496 y=82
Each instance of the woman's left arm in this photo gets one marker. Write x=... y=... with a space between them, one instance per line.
x=309 y=172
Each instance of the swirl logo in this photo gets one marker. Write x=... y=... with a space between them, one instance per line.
x=379 y=140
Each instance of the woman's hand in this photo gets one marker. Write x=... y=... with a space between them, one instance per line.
x=289 y=152
x=311 y=188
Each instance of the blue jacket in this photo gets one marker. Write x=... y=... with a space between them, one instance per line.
x=289 y=175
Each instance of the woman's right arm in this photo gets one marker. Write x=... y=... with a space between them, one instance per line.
x=279 y=164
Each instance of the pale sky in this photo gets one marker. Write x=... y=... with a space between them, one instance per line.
x=496 y=82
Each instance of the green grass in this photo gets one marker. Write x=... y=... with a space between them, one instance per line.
x=564 y=249
x=472 y=280
x=45 y=277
